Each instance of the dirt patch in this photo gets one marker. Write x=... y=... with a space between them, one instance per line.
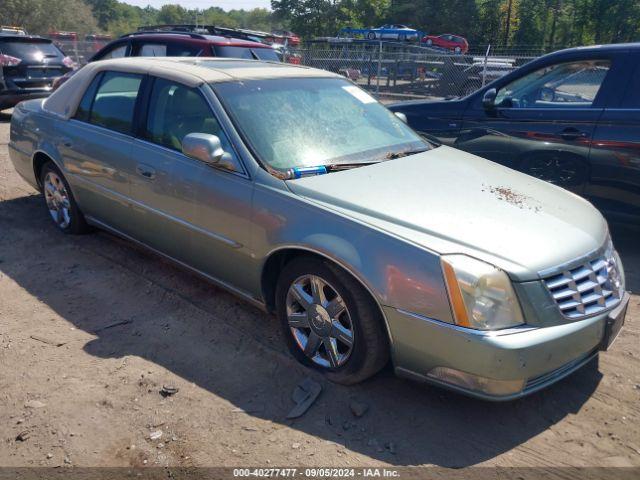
x=512 y=197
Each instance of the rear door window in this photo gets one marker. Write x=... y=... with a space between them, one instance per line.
x=231 y=51
x=84 y=108
x=571 y=84
x=176 y=49
x=170 y=49
x=117 y=51
x=153 y=50
x=114 y=103
x=266 y=54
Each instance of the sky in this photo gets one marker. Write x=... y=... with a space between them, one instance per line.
x=225 y=4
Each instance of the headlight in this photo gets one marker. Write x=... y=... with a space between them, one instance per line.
x=481 y=295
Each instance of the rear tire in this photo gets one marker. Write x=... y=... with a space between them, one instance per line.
x=320 y=304
x=371 y=36
x=59 y=201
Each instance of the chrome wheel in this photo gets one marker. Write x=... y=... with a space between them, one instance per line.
x=319 y=321
x=57 y=198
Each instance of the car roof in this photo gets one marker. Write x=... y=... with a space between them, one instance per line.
x=191 y=71
x=189 y=37
x=600 y=48
x=13 y=36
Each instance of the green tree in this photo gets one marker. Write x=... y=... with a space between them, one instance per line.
x=43 y=16
x=175 y=14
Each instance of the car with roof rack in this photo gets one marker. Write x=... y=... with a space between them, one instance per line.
x=298 y=191
x=172 y=43
x=180 y=43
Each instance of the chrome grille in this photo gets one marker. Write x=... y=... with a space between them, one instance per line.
x=587 y=289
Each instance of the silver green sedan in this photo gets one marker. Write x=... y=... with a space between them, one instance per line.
x=298 y=191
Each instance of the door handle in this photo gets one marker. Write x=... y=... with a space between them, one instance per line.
x=572 y=134
x=146 y=171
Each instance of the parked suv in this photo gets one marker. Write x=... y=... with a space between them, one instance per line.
x=181 y=44
x=571 y=117
x=28 y=67
x=184 y=44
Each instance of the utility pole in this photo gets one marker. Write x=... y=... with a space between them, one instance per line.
x=508 y=26
x=555 y=9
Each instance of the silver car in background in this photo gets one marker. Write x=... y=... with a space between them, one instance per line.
x=298 y=191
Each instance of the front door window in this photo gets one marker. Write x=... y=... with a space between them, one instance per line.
x=573 y=84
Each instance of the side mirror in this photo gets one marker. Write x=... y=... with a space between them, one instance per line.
x=208 y=149
x=489 y=99
x=401 y=116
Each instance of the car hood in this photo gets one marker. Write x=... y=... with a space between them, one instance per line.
x=449 y=201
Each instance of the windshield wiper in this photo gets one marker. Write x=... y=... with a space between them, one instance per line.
x=299 y=172
x=404 y=153
x=334 y=167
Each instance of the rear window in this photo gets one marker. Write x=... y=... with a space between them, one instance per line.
x=36 y=50
x=115 y=100
x=168 y=50
x=245 y=52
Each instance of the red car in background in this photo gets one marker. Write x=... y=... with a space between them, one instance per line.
x=449 y=41
x=293 y=40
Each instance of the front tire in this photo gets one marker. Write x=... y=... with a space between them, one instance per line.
x=330 y=321
x=59 y=200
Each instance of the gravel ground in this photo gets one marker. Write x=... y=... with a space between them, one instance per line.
x=78 y=393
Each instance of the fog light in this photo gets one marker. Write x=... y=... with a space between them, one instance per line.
x=469 y=381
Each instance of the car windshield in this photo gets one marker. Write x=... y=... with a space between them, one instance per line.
x=258 y=53
x=308 y=122
x=30 y=49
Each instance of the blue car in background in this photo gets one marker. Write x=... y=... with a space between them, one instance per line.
x=385 y=32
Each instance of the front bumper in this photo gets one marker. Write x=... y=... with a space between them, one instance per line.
x=533 y=358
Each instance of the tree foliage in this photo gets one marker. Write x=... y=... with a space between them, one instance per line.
x=42 y=16
x=541 y=23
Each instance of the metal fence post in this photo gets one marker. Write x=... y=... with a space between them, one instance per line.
x=379 y=70
x=484 y=69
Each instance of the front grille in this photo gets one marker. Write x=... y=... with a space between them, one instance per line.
x=587 y=289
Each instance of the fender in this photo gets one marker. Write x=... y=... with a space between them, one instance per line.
x=345 y=255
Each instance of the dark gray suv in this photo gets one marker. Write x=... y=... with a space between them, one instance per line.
x=28 y=67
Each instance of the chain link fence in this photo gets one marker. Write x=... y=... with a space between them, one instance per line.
x=389 y=70
x=396 y=71
x=80 y=51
